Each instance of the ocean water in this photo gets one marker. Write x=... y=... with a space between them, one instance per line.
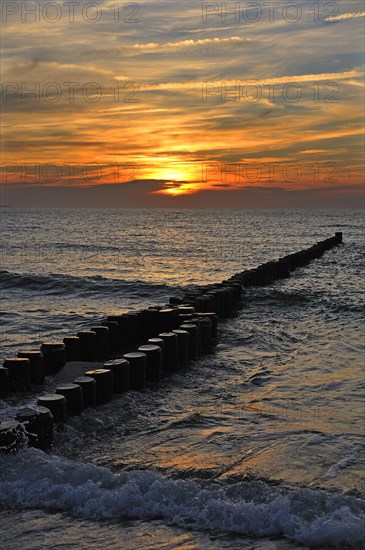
x=259 y=444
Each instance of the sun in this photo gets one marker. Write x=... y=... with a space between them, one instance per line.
x=177 y=189
x=174 y=191
x=177 y=178
x=171 y=175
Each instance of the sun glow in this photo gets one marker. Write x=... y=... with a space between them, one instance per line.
x=171 y=175
x=177 y=178
x=175 y=189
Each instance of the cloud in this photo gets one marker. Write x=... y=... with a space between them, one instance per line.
x=169 y=55
x=143 y=194
x=187 y=43
x=286 y=79
x=344 y=16
x=312 y=151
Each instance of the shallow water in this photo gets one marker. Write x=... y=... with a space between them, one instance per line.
x=257 y=445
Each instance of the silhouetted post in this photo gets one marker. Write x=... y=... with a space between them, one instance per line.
x=154 y=361
x=88 y=386
x=19 y=373
x=72 y=348
x=182 y=345
x=102 y=342
x=160 y=343
x=186 y=310
x=104 y=384
x=87 y=345
x=116 y=333
x=73 y=394
x=197 y=322
x=150 y=322
x=131 y=327
x=192 y=329
x=37 y=370
x=4 y=382
x=170 y=359
x=206 y=333
x=115 y=337
x=284 y=268
x=54 y=356
x=167 y=319
x=120 y=369
x=56 y=403
x=214 y=319
x=137 y=369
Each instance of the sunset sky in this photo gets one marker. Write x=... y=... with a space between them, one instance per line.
x=182 y=104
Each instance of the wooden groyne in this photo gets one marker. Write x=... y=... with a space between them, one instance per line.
x=133 y=348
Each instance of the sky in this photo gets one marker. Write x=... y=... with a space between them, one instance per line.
x=182 y=104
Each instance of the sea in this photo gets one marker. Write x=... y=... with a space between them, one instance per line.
x=259 y=444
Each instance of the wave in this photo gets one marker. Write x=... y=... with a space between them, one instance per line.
x=270 y=294
x=33 y=479
x=58 y=284
x=328 y=298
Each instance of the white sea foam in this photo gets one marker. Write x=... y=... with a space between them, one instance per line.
x=33 y=479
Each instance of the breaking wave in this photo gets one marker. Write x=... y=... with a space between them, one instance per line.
x=33 y=479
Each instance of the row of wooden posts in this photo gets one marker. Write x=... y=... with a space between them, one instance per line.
x=134 y=347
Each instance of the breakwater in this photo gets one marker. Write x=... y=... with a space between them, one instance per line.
x=133 y=348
